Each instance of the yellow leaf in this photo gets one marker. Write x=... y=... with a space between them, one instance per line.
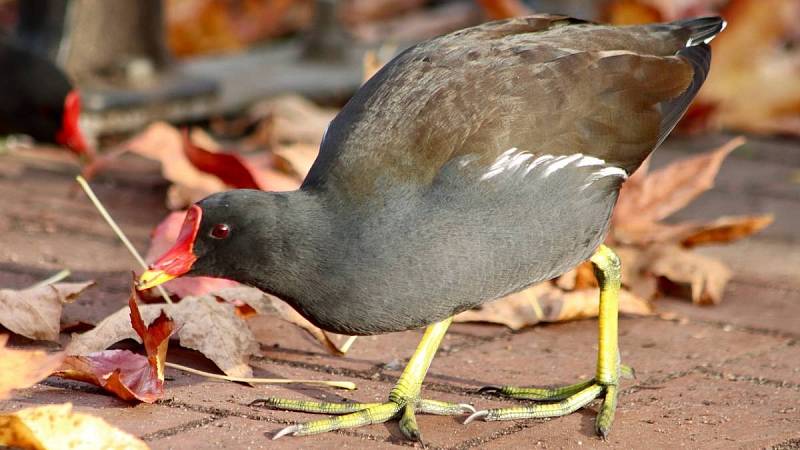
x=56 y=427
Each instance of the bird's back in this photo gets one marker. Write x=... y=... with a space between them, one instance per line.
x=544 y=84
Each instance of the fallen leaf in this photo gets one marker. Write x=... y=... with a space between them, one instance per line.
x=286 y=120
x=21 y=368
x=664 y=191
x=503 y=9
x=228 y=167
x=296 y=159
x=754 y=81
x=203 y=323
x=547 y=303
x=128 y=375
x=54 y=427
x=163 y=143
x=36 y=312
x=725 y=229
x=704 y=277
x=264 y=304
x=196 y=27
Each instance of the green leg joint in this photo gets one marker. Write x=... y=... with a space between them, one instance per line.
x=404 y=399
x=564 y=400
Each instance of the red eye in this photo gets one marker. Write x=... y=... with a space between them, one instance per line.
x=220 y=231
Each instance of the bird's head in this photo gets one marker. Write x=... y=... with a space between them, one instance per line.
x=220 y=234
x=69 y=134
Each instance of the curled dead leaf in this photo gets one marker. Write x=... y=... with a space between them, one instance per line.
x=662 y=192
x=36 y=312
x=21 y=368
x=704 y=277
x=128 y=375
x=57 y=427
x=547 y=303
x=203 y=323
x=725 y=229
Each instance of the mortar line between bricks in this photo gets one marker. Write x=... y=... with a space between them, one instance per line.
x=172 y=431
x=760 y=381
x=375 y=375
x=789 y=444
x=725 y=326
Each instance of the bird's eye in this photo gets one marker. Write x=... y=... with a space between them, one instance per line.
x=220 y=231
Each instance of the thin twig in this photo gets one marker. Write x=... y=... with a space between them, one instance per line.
x=337 y=384
x=347 y=344
x=103 y=212
x=53 y=279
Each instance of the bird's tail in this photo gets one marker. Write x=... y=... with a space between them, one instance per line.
x=703 y=29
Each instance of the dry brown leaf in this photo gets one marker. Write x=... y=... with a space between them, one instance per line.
x=289 y=119
x=127 y=375
x=664 y=191
x=55 y=427
x=36 y=312
x=21 y=368
x=503 y=9
x=725 y=229
x=754 y=83
x=296 y=159
x=547 y=303
x=203 y=323
x=163 y=143
x=264 y=304
x=704 y=277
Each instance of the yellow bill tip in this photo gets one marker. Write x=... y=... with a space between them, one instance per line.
x=152 y=278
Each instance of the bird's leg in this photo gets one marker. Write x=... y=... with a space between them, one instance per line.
x=404 y=398
x=567 y=399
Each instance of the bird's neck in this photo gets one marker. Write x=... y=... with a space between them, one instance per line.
x=298 y=241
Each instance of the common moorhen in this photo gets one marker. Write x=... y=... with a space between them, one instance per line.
x=471 y=166
x=38 y=99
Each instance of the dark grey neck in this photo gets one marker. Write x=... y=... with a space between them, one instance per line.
x=294 y=248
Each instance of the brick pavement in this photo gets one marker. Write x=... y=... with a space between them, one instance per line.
x=720 y=377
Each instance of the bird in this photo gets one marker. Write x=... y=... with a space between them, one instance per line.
x=38 y=99
x=471 y=166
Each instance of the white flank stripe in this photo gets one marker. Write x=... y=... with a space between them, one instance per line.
x=590 y=161
x=538 y=162
x=561 y=162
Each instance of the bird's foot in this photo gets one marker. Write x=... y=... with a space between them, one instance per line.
x=558 y=401
x=359 y=414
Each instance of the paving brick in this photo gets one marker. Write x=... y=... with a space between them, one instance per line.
x=697 y=411
x=370 y=354
x=231 y=399
x=244 y=434
x=760 y=261
x=139 y=419
x=781 y=364
x=563 y=353
x=747 y=305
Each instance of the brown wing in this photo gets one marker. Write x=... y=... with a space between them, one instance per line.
x=544 y=84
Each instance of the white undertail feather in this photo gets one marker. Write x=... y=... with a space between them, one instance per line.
x=512 y=159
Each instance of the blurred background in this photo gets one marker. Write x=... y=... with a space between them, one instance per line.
x=192 y=60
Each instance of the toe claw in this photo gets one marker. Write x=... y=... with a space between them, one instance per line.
x=288 y=430
x=491 y=389
x=476 y=415
x=467 y=408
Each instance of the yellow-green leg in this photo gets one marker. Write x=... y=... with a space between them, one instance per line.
x=404 y=399
x=567 y=399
